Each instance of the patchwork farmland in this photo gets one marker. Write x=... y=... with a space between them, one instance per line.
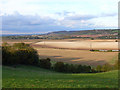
x=76 y=51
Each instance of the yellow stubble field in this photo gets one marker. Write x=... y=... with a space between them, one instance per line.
x=74 y=51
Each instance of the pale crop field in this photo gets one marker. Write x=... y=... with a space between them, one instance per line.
x=77 y=52
x=80 y=44
x=62 y=50
x=84 y=57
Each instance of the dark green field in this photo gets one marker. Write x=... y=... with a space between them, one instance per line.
x=34 y=77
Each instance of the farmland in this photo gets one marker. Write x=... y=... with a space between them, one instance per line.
x=80 y=45
x=78 y=57
x=74 y=51
x=35 y=77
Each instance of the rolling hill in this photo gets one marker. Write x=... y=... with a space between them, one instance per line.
x=35 y=77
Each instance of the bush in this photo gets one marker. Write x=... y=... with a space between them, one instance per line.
x=80 y=69
x=70 y=68
x=27 y=57
x=117 y=65
x=92 y=38
x=67 y=68
x=88 y=69
x=99 y=68
x=12 y=55
x=21 y=45
x=106 y=67
x=45 y=63
x=7 y=55
x=59 y=66
x=93 y=71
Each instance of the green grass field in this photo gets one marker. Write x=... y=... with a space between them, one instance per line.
x=34 y=77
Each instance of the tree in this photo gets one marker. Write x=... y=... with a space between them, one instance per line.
x=86 y=69
x=99 y=68
x=21 y=46
x=92 y=38
x=80 y=69
x=59 y=66
x=5 y=55
x=106 y=67
x=45 y=63
x=67 y=68
x=19 y=53
x=5 y=44
x=117 y=65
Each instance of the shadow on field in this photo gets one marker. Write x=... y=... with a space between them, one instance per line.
x=91 y=62
x=75 y=60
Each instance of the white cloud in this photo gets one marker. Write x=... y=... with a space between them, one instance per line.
x=52 y=6
x=48 y=15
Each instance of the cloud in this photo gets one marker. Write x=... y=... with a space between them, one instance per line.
x=50 y=15
x=51 y=6
x=21 y=20
x=29 y=23
x=67 y=21
x=75 y=16
x=108 y=14
x=83 y=21
x=64 y=13
x=80 y=17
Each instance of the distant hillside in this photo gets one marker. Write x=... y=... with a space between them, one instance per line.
x=92 y=34
x=99 y=34
x=86 y=32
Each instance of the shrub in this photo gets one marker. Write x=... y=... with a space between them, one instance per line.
x=93 y=70
x=67 y=68
x=106 y=67
x=99 y=68
x=70 y=68
x=6 y=54
x=21 y=45
x=117 y=65
x=86 y=69
x=80 y=69
x=92 y=50
x=45 y=63
x=5 y=44
x=59 y=66
x=92 y=38
x=23 y=55
x=27 y=57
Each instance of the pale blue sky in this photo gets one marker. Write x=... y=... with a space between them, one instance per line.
x=40 y=16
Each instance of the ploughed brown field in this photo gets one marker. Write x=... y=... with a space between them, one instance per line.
x=74 y=50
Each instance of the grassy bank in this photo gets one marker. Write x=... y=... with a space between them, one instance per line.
x=34 y=77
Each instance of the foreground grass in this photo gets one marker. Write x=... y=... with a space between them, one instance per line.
x=34 y=77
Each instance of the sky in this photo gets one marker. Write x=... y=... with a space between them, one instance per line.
x=42 y=16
